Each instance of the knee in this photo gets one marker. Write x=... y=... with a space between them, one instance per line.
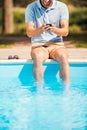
x=63 y=58
x=36 y=56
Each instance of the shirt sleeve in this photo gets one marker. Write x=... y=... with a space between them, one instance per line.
x=64 y=13
x=29 y=15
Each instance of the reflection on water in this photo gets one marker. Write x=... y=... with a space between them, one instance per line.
x=44 y=107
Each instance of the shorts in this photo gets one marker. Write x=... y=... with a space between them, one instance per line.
x=51 y=47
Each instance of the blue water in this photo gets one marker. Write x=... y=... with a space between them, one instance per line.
x=25 y=106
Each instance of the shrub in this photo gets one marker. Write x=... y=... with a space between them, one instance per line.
x=19 y=17
x=79 y=17
x=75 y=29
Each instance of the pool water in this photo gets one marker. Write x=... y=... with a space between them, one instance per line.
x=25 y=106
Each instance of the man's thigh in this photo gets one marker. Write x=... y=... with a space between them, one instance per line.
x=39 y=53
x=57 y=53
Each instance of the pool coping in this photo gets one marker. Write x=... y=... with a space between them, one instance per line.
x=18 y=61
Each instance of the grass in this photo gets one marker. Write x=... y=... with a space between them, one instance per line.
x=79 y=44
x=6 y=44
x=79 y=39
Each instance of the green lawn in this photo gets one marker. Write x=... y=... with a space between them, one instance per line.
x=6 y=44
x=79 y=39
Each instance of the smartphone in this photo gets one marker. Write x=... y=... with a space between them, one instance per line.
x=49 y=24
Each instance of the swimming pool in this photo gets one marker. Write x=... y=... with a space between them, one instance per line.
x=24 y=106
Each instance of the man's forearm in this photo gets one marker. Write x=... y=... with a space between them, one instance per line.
x=34 y=32
x=60 y=31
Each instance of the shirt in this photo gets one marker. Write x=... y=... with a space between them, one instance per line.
x=39 y=15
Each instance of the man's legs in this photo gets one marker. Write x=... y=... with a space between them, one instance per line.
x=61 y=55
x=39 y=55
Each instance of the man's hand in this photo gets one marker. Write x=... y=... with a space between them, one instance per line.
x=32 y=31
x=48 y=27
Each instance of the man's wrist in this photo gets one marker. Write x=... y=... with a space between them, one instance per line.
x=55 y=30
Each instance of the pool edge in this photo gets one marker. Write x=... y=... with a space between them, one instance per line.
x=12 y=61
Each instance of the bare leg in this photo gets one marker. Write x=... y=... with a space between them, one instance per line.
x=61 y=56
x=38 y=70
x=39 y=55
x=64 y=71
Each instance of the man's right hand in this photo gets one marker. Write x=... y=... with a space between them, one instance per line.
x=46 y=28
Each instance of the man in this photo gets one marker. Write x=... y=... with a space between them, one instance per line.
x=46 y=22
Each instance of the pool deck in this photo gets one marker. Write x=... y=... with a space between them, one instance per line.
x=75 y=54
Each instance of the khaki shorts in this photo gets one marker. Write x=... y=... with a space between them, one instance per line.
x=51 y=47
